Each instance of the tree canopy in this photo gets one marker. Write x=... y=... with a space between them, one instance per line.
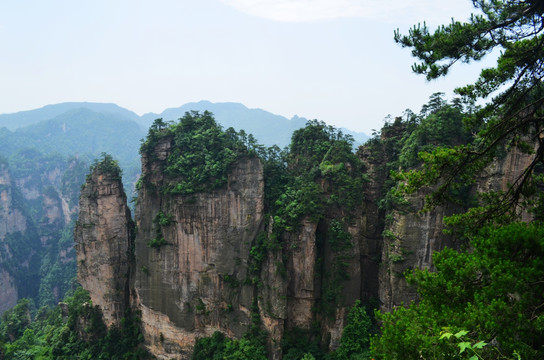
x=513 y=91
x=485 y=301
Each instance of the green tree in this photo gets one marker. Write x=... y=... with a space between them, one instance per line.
x=355 y=340
x=201 y=154
x=73 y=330
x=490 y=293
x=514 y=115
x=15 y=321
x=495 y=291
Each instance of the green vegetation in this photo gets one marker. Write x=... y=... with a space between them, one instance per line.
x=321 y=173
x=511 y=119
x=71 y=330
x=399 y=147
x=105 y=164
x=201 y=154
x=252 y=346
x=485 y=301
x=161 y=220
x=297 y=343
x=355 y=340
x=495 y=290
x=218 y=347
x=157 y=243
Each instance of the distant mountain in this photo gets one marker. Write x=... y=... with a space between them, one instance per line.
x=25 y=118
x=268 y=128
x=78 y=131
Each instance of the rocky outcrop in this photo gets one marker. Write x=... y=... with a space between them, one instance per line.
x=103 y=237
x=409 y=241
x=410 y=238
x=302 y=285
x=314 y=279
x=12 y=217
x=211 y=261
x=272 y=297
x=197 y=267
x=194 y=281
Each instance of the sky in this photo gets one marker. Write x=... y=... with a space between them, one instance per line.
x=331 y=60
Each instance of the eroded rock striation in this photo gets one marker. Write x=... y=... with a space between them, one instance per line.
x=410 y=237
x=192 y=255
x=15 y=234
x=103 y=239
x=214 y=261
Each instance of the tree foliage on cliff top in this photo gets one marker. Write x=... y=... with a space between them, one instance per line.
x=322 y=171
x=201 y=155
x=106 y=165
x=401 y=142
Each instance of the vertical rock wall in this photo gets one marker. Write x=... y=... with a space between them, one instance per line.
x=190 y=274
x=103 y=237
x=12 y=221
x=311 y=281
x=409 y=242
x=411 y=238
x=195 y=283
x=8 y=291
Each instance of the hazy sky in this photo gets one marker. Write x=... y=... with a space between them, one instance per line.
x=334 y=60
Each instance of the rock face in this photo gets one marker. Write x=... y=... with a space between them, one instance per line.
x=410 y=238
x=13 y=225
x=8 y=292
x=409 y=241
x=13 y=219
x=103 y=237
x=38 y=198
x=194 y=284
x=194 y=266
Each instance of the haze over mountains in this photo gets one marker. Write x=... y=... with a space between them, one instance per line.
x=268 y=128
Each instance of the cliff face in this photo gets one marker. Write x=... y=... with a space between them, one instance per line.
x=8 y=294
x=103 y=237
x=211 y=261
x=38 y=198
x=13 y=219
x=195 y=282
x=411 y=238
x=14 y=225
x=409 y=241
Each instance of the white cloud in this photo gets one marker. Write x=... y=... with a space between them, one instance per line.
x=393 y=11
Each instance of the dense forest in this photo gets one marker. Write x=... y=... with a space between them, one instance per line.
x=483 y=298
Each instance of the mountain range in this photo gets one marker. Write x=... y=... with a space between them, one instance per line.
x=269 y=129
